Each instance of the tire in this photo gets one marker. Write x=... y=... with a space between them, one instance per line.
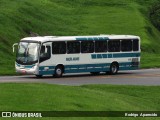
x=58 y=72
x=114 y=68
x=39 y=76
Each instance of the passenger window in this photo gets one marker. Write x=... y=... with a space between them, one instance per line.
x=45 y=55
x=87 y=47
x=136 y=45
x=114 y=46
x=73 y=47
x=100 y=46
x=126 y=45
x=58 y=48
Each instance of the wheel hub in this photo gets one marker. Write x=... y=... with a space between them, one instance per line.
x=58 y=71
x=114 y=69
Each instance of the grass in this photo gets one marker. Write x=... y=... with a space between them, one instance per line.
x=76 y=17
x=45 y=97
x=150 y=59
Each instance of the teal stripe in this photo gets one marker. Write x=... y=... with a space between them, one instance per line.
x=98 y=67
x=94 y=56
x=50 y=67
x=29 y=66
x=92 y=38
x=80 y=39
x=87 y=68
x=129 y=68
x=46 y=72
x=99 y=56
x=104 y=55
x=126 y=55
x=26 y=66
x=50 y=71
x=114 y=55
x=109 y=55
x=96 y=38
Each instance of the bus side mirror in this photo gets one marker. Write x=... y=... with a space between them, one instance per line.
x=14 y=46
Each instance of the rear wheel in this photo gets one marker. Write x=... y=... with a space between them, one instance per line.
x=114 y=68
x=58 y=72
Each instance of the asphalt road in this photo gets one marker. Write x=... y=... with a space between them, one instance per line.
x=136 y=77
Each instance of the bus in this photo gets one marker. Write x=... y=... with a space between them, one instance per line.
x=57 y=55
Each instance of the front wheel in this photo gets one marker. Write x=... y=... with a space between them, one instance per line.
x=114 y=68
x=58 y=72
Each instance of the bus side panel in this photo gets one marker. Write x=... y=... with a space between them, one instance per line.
x=74 y=63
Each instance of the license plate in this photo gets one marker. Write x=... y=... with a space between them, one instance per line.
x=23 y=71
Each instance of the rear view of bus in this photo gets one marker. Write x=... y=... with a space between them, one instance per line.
x=51 y=55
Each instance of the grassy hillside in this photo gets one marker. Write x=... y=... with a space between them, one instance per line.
x=76 y=17
x=45 y=97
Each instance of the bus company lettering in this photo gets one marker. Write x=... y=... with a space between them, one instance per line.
x=14 y=114
x=72 y=59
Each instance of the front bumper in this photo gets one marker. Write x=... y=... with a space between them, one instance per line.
x=27 y=69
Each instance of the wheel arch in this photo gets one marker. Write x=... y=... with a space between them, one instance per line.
x=114 y=68
x=116 y=63
x=60 y=65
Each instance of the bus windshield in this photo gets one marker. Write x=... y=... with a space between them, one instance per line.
x=27 y=53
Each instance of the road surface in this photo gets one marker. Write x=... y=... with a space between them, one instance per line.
x=137 y=77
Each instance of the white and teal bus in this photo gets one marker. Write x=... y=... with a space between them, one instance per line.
x=53 y=55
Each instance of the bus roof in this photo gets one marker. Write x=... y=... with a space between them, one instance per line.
x=80 y=38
